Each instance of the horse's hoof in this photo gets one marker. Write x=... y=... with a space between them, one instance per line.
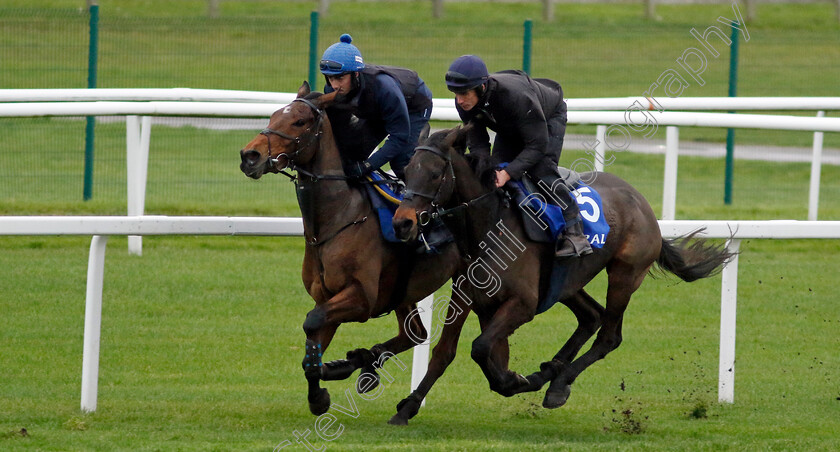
x=398 y=420
x=320 y=404
x=361 y=357
x=368 y=383
x=406 y=409
x=513 y=385
x=556 y=397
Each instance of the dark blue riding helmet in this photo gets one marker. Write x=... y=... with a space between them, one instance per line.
x=342 y=57
x=465 y=73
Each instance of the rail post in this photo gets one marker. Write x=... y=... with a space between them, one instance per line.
x=730 y=133
x=93 y=46
x=526 y=46
x=313 y=50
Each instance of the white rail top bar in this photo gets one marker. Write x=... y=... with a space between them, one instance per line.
x=143 y=94
x=284 y=226
x=149 y=225
x=231 y=109
x=706 y=103
x=606 y=103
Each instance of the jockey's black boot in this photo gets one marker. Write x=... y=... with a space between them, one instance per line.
x=572 y=243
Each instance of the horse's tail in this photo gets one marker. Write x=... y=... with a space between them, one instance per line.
x=694 y=260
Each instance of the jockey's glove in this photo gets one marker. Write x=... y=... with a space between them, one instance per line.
x=359 y=169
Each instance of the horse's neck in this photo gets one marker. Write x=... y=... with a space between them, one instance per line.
x=327 y=160
x=327 y=203
x=482 y=215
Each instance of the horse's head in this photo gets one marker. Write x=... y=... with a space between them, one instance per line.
x=290 y=138
x=430 y=181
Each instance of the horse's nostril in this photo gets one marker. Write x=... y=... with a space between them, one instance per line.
x=250 y=156
x=402 y=228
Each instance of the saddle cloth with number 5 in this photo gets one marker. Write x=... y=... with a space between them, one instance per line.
x=544 y=220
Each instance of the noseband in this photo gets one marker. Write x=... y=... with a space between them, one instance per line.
x=319 y=115
x=425 y=216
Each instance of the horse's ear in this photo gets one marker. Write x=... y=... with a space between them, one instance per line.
x=304 y=89
x=326 y=100
x=424 y=133
x=457 y=138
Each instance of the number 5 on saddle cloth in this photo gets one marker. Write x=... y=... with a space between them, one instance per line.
x=544 y=220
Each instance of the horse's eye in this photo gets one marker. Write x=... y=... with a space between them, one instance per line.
x=299 y=123
x=436 y=175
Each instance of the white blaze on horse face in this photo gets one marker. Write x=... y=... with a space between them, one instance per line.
x=287 y=109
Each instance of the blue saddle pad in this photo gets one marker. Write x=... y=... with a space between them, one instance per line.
x=385 y=202
x=595 y=226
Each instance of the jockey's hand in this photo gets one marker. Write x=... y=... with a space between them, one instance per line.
x=359 y=169
x=502 y=177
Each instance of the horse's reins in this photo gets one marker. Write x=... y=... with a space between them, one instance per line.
x=426 y=216
x=316 y=136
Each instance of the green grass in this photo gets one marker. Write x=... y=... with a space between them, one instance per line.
x=201 y=350
x=201 y=336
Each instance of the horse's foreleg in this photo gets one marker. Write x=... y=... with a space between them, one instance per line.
x=588 y=313
x=320 y=326
x=316 y=344
x=488 y=349
x=442 y=356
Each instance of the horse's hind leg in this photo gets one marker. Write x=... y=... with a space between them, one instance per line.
x=442 y=356
x=588 y=313
x=623 y=281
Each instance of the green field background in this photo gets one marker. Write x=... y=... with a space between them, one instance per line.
x=594 y=50
x=201 y=336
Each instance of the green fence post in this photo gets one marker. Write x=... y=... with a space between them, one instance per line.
x=90 y=120
x=730 y=133
x=313 y=50
x=526 y=47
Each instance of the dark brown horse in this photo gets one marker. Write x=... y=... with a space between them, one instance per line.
x=350 y=271
x=510 y=274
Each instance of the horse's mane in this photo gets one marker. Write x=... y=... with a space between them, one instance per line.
x=482 y=165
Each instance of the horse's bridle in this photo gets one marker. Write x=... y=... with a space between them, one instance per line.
x=314 y=137
x=425 y=216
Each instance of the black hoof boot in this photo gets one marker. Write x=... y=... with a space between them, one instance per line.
x=406 y=409
x=368 y=380
x=320 y=403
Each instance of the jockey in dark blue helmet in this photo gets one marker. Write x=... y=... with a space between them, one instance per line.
x=374 y=102
x=529 y=118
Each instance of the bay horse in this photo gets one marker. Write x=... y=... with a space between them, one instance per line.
x=440 y=180
x=349 y=270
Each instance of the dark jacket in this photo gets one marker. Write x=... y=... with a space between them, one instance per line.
x=384 y=100
x=526 y=114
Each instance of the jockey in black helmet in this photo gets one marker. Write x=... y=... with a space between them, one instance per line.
x=529 y=118
x=374 y=102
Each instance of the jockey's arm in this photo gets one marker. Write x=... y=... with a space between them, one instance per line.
x=533 y=129
x=394 y=110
